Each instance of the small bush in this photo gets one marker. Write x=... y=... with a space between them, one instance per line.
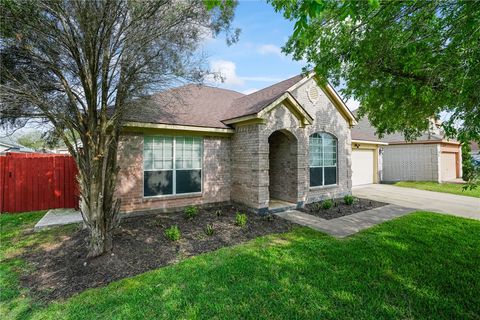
x=191 y=212
x=173 y=233
x=241 y=219
x=209 y=230
x=327 y=204
x=348 y=199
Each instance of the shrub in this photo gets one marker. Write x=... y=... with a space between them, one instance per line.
x=348 y=199
x=327 y=204
x=191 y=212
x=173 y=233
x=209 y=230
x=241 y=219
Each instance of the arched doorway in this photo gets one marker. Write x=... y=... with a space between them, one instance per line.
x=283 y=167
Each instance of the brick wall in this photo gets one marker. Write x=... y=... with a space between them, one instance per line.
x=283 y=177
x=216 y=176
x=250 y=151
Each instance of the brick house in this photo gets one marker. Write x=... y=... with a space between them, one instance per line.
x=282 y=146
x=431 y=157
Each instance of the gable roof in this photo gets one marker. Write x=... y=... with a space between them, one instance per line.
x=211 y=107
x=255 y=102
x=365 y=131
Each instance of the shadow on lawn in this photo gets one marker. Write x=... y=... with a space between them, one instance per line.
x=60 y=269
x=391 y=271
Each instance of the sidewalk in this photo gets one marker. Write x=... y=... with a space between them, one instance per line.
x=346 y=225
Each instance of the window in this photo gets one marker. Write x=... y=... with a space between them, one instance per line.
x=323 y=159
x=172 y=165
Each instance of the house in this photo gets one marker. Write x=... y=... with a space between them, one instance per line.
x=7 y=144
x=431 y=157
x=280 y=147
x=475 y=153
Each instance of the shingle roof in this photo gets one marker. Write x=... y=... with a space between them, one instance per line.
x=194 y=105
x=255 y=102
x=365 y=131
x=205 y=106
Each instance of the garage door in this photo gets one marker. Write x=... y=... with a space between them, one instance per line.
x=362 y=166
x=449 y=166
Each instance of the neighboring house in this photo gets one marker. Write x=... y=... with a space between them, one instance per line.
x=429 y=158
x=282 y=146
x=8 y=145
x=475 y=152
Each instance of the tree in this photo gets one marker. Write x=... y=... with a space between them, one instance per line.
x=404 y=61
x=78 y=64
x=467 y=162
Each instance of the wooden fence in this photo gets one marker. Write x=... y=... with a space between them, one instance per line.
x=35 y=181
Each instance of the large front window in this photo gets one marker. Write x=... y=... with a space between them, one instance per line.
x=323 y=159
x=172 y=165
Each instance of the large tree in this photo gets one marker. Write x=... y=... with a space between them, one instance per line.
x=404 y=61
x=78 y=63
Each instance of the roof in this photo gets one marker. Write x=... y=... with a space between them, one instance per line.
x=193 y=105
x=365 y=131
x=11 y=145
x=255 y=102
x=206 y=106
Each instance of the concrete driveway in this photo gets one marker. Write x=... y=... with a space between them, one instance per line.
x=462 y=206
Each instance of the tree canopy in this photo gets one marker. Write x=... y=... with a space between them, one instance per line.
x=77 y=64
x=404 y=61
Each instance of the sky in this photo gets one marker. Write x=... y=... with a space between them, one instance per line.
x=256 y=60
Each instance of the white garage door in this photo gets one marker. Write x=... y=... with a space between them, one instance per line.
x=449 y=166
x=362 y=166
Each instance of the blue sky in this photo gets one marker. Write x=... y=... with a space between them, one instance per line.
x=256 y=60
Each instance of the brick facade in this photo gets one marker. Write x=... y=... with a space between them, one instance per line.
x=216 y=176
x=238 y=168
x=250 y=151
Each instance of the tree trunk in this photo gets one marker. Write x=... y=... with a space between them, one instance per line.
x=97 y=175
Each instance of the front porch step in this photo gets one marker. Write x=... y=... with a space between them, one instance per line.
x=276 y=206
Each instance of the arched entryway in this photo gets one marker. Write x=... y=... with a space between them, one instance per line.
x=283 y=167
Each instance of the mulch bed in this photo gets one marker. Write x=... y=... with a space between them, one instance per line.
x=340 y=209
x=62 y=269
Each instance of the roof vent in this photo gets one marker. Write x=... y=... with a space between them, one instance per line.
x=312 y=93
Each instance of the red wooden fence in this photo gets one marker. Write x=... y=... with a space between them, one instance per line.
x=31 y=182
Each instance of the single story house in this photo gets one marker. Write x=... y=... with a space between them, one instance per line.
x=431 y=157
x=7 y=144
x=280 y=147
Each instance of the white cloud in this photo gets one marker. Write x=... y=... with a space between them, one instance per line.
x=270 y=49
x=352 y=104
x=227 y=71
x=248 y=91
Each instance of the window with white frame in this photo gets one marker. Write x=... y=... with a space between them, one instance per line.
x=172 y=165
x=323 y=159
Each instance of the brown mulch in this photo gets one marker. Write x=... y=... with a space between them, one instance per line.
x=340 y=209
x=62 y=269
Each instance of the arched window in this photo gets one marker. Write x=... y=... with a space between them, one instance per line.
x=323 y=159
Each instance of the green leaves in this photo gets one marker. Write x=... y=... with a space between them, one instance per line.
x=404 y=61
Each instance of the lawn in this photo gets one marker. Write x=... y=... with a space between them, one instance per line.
x=422 y=265
x=453 y=188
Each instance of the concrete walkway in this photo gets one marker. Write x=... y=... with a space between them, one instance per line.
x=462 y=206
x=58 y=217
x=347 y=225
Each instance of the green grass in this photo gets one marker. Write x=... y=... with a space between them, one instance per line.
x=422 y=265
x=440 y=187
